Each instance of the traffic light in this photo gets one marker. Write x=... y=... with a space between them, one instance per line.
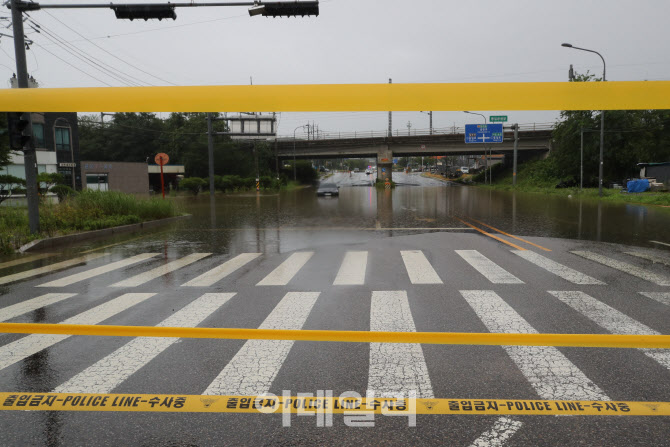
x=286 y=9
x=17 y=125
x=145 y=12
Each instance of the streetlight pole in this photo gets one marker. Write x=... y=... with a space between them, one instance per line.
x=294 y=130
x=602 y=119
x=430 y=117
x=486 y=159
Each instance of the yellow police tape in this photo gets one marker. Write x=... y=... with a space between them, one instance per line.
x=268 y=404
x=345 y=97
x=445 y=338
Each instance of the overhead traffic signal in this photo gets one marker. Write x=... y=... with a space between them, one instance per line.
x=17 y=126
x=286 y=9
x=145 y=12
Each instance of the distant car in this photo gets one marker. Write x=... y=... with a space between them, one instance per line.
x=356 y=170
x=465 y=170
x=328 y=189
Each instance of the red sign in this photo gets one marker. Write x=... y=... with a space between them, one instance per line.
x=423 y=147
x=161 y=159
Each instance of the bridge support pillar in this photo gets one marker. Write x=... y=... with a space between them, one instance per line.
x=384 y=162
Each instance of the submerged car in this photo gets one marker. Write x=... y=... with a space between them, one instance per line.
x=328 y=189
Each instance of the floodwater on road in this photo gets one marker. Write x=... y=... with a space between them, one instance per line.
x=291 y=220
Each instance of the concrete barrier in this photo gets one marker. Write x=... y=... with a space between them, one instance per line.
x=68 y=239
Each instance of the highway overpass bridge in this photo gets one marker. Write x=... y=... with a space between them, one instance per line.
x=533 y=139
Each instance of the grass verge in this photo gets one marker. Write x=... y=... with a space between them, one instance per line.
x=85 y=211
x=532 y=178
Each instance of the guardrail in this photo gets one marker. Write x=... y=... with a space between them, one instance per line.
x=453 y=130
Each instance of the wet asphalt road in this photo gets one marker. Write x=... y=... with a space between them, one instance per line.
x=450 y=280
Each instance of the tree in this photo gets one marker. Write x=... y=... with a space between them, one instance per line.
x=193 y=184
x=9 y=185
x=47 y=180
x=631 y=137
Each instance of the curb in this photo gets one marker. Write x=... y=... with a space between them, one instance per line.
x=58 y=241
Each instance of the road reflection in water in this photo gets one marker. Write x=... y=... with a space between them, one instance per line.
x=290 y=220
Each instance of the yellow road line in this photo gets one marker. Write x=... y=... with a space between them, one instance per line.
x=446 y=338
x=628 y=95
x=510 y=235
x=491 y=235
x=268 y=404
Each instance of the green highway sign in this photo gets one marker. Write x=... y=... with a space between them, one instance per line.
x=498 y=119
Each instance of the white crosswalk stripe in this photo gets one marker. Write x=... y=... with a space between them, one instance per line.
x=661 y=297
x=557 y=269
x=491 y=271
x=352 y=270
x=550 y=373
x=142 y=278
x=9 y=312
x=503 y=429
x=650 y=257
x=25 y=259
x=218 y=273
x=624 y=267
x=256 y=364
x=112 y=370
x=418 y=268
x=88 y=274
x=396 y=369
x=50 y=268
x=32 y=344
x=287 y=269
x=612 y=320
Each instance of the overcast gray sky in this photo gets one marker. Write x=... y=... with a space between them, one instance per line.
x=356 y=41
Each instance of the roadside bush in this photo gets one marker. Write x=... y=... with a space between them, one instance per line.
x=305 y=173
x=249 y=183
x=87 y=210
x=63 y=191
x=13 y=228
x=495 y=169
x=193 y=184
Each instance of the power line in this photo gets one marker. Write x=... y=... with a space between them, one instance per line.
x=109 y=36
x=111 y=54
x=73 y=66
x=86 y=58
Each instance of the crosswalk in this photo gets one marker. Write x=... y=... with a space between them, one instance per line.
x=396 y=369
x=24 y=347
x=393 y=370
x=112 y=370
x=255 y=366
x=352 y=269
x=551 y=374
x=612 y=320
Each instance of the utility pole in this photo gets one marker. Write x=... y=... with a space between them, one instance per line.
x=409 y=128
x=516 y=146
x=210 y=153
x=390 y=117
x=29 y=156
x=430 y=114
x=581 y=161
